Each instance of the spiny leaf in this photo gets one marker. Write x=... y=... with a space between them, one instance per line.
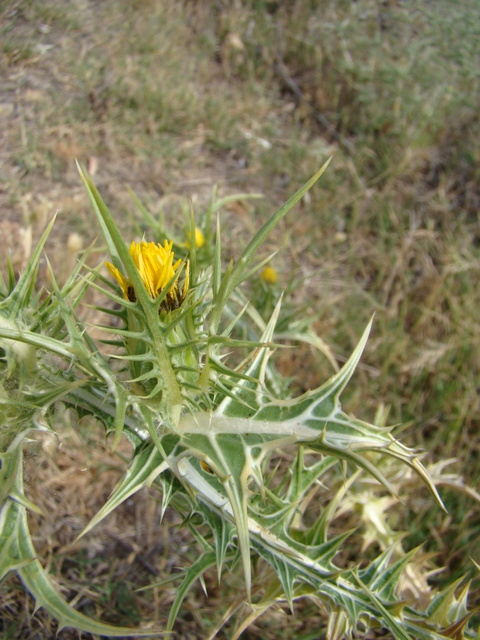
x=391 y=623
x=145 y=466
x=193 y=573
x=18 y=554
x=19 y=297
x=222 y=531
x=443 y=604
x=232 y=278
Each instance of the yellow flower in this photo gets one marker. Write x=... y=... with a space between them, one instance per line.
x=156 y=268
x=269 y=275
x=199 y=239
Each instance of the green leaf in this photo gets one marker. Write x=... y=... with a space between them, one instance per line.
x=234 y=276
x=389 y=620
x=19 y=299
x=17 y=553
x=144 y=467
x=193 y=573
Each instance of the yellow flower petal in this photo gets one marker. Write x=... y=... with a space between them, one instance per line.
x=122 y=281
x=156 y=268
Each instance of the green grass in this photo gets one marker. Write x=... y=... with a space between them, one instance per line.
x=172 y=98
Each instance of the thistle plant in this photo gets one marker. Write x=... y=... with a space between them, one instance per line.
x=191 y=382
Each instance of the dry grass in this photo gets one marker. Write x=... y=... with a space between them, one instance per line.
x=173 y=98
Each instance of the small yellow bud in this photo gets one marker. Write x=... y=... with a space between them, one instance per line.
x=199 y=239
x=269 y=275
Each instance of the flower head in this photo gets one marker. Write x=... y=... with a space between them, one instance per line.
x=199 y=239
x=269 y=275
x=156 y=268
